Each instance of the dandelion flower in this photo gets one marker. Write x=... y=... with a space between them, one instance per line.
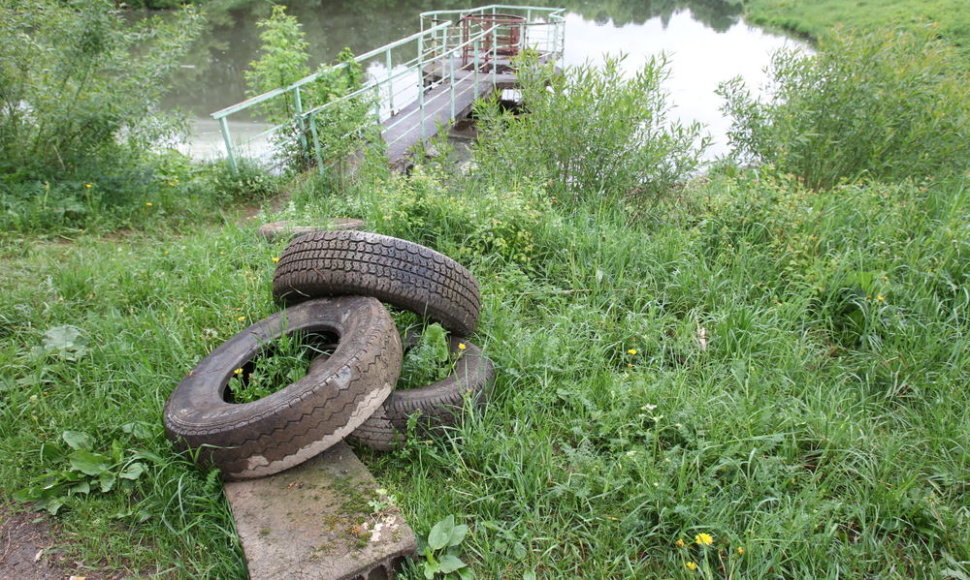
x=241 y=318
x=690 y=566
x=740 y=551
x=880 y=298
x=704 y=539
x=238 y=371
x=680 y=543
x=276 y=259
x=632 y=351
x=462 y=346
x=148 y=204
x=88 y=185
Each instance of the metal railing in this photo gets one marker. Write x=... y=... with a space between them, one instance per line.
x=456 y=51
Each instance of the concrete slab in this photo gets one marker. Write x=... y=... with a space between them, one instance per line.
x=314 y=522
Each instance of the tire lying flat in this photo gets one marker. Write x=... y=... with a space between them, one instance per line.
x=288 y=427
x=439 y=403
x=399 y=272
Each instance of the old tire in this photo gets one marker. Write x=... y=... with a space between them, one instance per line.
x=289 y=229
x=284 y=429
x=439 y=403
x=399 y=272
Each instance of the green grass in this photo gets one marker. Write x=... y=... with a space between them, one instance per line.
x=781 y=368
x=823 y=428
x=815 y=19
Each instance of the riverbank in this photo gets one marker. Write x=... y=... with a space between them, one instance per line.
x=815 y=19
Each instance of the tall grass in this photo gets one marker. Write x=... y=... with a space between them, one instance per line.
x=753 y=379
x=883 y=105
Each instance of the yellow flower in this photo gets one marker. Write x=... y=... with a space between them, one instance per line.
x=241 y=318
x=680 y=543
x=740 y=551
x=276 y=259
x=238 y=371
x=880 y=298
x=462 y=346
x=704 y=539
x=632 y=351
x=88 y=185
x=690 y=566
x=148 y=203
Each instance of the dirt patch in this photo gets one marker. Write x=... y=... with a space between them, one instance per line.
x=30 y=549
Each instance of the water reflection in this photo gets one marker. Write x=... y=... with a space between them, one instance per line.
x=706 y=40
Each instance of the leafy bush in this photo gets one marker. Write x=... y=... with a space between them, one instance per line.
x=283 y=61
x=591 y=132
x=80 y=85
x=888 y=106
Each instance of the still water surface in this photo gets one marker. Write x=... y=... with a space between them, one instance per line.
x=706 y=42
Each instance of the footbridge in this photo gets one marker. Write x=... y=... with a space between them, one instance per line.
x=411 y=89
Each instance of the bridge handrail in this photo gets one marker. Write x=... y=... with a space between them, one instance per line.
x=312 y=77
x=438 y=44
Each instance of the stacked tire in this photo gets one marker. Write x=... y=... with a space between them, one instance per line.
x=335 y=282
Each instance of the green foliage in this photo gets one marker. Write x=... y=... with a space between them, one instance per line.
x=87 y=471
x=284 y=60
x=80 y=88
x=887 y=105
x=819 y=18
x=279 y=363
x=428 y=361
x=591 y=132
x=440 y=551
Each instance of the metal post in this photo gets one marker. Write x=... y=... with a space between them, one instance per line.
x=494 y=51
x=298 y=105
x=390 y=85
x=224 y=126
x=421 y=77
x=451 y=81
x=316 y=144
x=476 y=47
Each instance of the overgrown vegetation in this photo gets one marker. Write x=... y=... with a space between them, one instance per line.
x=339 y=130
x=755 y=379
x=82 y=141
x=592 y=132
x=883 y=105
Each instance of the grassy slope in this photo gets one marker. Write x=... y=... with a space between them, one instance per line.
x=815 y=18
x=812 y=438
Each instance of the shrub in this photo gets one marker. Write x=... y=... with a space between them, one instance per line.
x=591 y=132
x=887 y=106
x=283 y=61
x=79 y=87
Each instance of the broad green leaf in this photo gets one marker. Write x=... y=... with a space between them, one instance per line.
x=52 y=505
x=90 y=463
x=65 y=341
x=441 y=533
x=466 y=573
x=134 y=470
x=107 y=482
x=138 y=430
x=449 y=564
x=458 y=535
x=82 y=488
x=77 y=440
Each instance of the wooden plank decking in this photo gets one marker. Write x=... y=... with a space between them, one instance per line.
x=409 y=126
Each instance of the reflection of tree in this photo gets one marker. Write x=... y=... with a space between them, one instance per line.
x=213 y=77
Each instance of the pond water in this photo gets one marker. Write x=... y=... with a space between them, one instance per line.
x=706 y=41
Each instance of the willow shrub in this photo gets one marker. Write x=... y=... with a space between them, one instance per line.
x=591 y=132
x=80 y=87
x=888 y=105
